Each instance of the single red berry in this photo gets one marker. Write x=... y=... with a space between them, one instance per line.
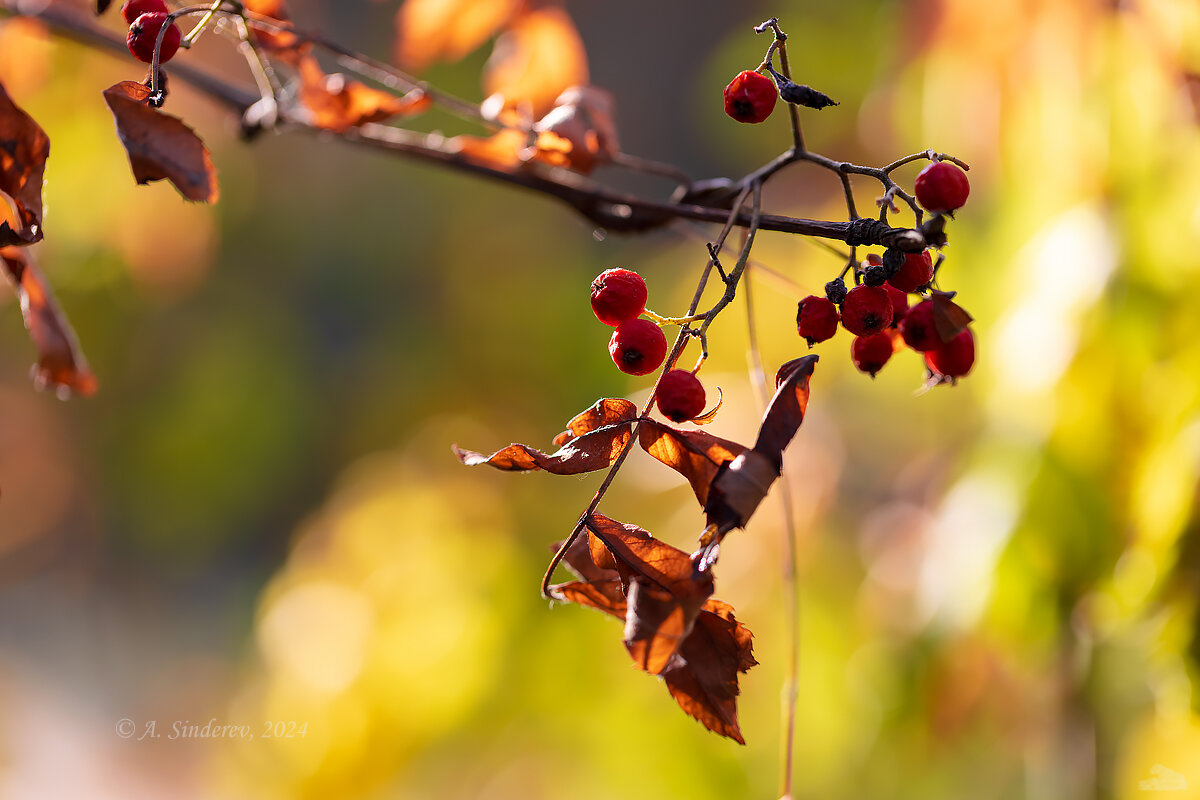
x=135 y=8
x=680 y=396
x=942 y=187
x=899 y=304
x=750 y=97
x=637 y=346
x=953 y=359
x=816 y=319
x=866 y=310
x=915 y=272
x=918 y=328
x=143 y=34
x=618 y=295
x=870 y=353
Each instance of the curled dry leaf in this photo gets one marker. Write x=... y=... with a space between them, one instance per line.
x=695 y=455
x=337 y=103
x=579 y=132
x=592 y=441
x=504 y=150
x=24 y=148
x=60 y=362
x=160 y=145
x=284 y=45
x=949 y=318
x=433 y=30
x=701 y=672
x=536 y=59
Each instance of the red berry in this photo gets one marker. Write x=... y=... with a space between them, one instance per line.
x=942 y=187
x=143 y=34
x=680 y=396
x=866 y=310
x=750 y=97
x=915 y=272
x=899 y=303
x=618 y=295
x=953 y=359
x=870 y=353
x=637 y=346
x=816 y=319
x=135 y=8
x=918 y=328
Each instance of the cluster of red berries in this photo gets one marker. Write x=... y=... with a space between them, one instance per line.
x=638 y=346
x=146 y=18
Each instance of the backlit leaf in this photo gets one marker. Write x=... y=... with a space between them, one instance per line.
x=579 y=131
x=60 y=362
x=160 y=145
x=24 y=148
x=606 y=411
x=694 y=454
x=284 y=45
x=433 y=30
x=536 y=59
x=338 y=103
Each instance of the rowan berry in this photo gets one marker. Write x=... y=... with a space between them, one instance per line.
x=941 y=186
x=866 y=310
x=816 y=319
x=618 y=295
x=135 y=8
x=637 y=346
x=750 y=96
x=918 y=329
x=899 y=304
x=916 y=271
x=870 y=353
x=143 y=34
x=953 y=359
x=680 y=396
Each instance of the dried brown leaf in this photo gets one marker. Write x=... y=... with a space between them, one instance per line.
x=433 y=30
x=282 y=44
x=606 y=411
x=102 y=6
x=160 y=145
x=60 y=361
x=595 y=449
x=579 y=132
x=24 y=148
x=949 y=318
x=694 y=454
x=535 y=60
x=505 y=149
x=338 y=103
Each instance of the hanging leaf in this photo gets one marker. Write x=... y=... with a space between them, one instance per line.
x=160 y=145
x=282 y=44
x=60 y=361
x=694 y=454
x=24 y=148
x=702 y=672
x=436 y=30
x=592 y=441
x=579 y=132
x=949 y=318
x=337 y=103
x=535 y=60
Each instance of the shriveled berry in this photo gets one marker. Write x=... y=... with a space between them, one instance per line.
x=637 y=346
x=874 y=275
x=750 y=96
x=918 y=329
x=143 y=34
x=953 y=359
x=135 y=8
x=899 y=304
x=870 y=353
x=866 y=310
x=816 y=319
x=915 y=272
x=942 y=187
x=618 y=295
x=835 y=290
x=680 y=396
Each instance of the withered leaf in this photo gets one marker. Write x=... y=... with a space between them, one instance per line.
x=337 y=103
x=949 y=318
x=60 y=362
x=431 y=30
x=102 y=6
x=24 y=148
x=284 y=45
x=606 y=411
x=579 y=131
x=702 y=673
x=592 y=441
x=694 y=454
x=535 y=60
x=160 y=145
x=505 y=149
x=741 y=484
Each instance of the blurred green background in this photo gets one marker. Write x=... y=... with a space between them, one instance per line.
x=258 y=519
